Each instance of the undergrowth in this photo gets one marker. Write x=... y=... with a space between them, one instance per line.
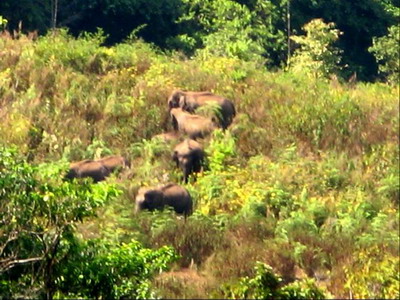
x=305 y=181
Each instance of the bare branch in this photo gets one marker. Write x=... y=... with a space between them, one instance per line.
x=13 y=236
x=9 y=263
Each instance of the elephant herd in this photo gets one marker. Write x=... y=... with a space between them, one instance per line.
x=187 y=154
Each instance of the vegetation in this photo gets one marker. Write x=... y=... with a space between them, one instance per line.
x=243 y=28
x=41 y=254
x=385 y=49
x=299 y=197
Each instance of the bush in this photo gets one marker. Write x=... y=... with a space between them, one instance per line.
x=267 y=285
x=41 y=254
x=385 y=51
x=194 y=240
x=317 y=56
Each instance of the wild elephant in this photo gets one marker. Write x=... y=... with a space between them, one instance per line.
x=115 y=162
x=193 y=125
x=168 y=136
x=189 y=157
x=87 y=168
x=190 y=101
x=156 y=198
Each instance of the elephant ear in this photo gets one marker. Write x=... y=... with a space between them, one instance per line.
x=173 y=100
x=153 y=199
x=182 y=101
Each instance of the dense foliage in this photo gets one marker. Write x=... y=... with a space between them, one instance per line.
x=42 y=256
x=301 y=190
x=244 y=28
x=267 y=285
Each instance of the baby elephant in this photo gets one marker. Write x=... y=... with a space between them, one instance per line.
x=87 y=168
x=169 y=195
x=189 y=156
x=194 y=126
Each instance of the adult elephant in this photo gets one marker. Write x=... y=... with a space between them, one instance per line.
x=156 y=198
x=190 y=101
x=87 y=168
x=193 y=125
x=115 y=162
x=188 y=156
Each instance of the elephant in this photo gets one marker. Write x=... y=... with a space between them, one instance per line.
x=168 y=136
x=168 y=195
x=189 y=157
x=190 y=101
x=115 y=162
x=87 y=168
x=193 y=125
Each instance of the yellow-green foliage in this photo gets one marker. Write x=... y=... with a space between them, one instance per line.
x=306 y=179
x=374 y=273
x=317 y=56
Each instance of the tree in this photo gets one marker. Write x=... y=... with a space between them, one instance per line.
x=227 y=28
x=386 y=51
x=359 y=20
x=3 y=22
x=317 y=55
x=118 y=18
x=30 y=15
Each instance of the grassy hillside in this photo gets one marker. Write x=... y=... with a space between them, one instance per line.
x=306 y=179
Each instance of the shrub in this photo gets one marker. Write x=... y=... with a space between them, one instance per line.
x=317 y=55
x=267 y=285
x=373 y=274
x=194 y=240
x=385 y=51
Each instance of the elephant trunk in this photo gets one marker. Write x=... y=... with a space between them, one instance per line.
x=185 y=165
x=137 y=208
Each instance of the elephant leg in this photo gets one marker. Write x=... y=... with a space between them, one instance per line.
x=175 y=158
x=196 y=166
x=186 y=174
x=183 y=165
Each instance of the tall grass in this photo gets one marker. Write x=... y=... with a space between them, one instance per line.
x=305 y=179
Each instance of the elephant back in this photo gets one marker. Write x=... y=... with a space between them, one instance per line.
x=74 y=168
x=114 y=162
x=186 y=146
x=179 y=198
x=193 y=100
x=92 y=169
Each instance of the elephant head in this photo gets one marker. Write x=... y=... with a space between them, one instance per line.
x=148 y=198
x=175 y=98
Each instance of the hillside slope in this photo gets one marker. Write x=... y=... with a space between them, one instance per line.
x=306 y=179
